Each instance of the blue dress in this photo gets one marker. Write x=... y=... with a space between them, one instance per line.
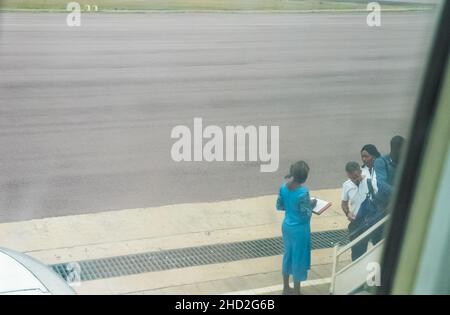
x=296 y=231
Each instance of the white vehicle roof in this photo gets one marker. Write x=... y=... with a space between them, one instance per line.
x=21 y=274
x=14 y=277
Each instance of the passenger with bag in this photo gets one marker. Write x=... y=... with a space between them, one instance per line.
x=359 y=205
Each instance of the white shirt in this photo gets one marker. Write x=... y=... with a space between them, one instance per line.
x=366 y=172
x=356 y=194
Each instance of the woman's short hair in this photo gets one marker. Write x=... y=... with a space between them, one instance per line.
x=299 y=171
x=372 y=150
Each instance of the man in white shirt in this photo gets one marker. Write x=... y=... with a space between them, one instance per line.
x=354 y=193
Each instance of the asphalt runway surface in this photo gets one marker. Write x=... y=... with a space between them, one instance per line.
x=86 y=112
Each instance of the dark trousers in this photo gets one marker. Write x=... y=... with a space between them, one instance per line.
x=356 y=228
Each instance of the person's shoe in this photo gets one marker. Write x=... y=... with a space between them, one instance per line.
x=289 y=291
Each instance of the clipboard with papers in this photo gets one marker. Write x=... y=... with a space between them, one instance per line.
x=321 y=206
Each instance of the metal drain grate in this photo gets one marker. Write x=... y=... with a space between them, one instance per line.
x=189 y=257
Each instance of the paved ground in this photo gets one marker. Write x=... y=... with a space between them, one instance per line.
x=136 y=231
x=86 y=113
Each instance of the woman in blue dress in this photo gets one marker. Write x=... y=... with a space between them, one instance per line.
x=295 y=201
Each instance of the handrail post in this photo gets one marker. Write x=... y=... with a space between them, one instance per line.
x=333 y=274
